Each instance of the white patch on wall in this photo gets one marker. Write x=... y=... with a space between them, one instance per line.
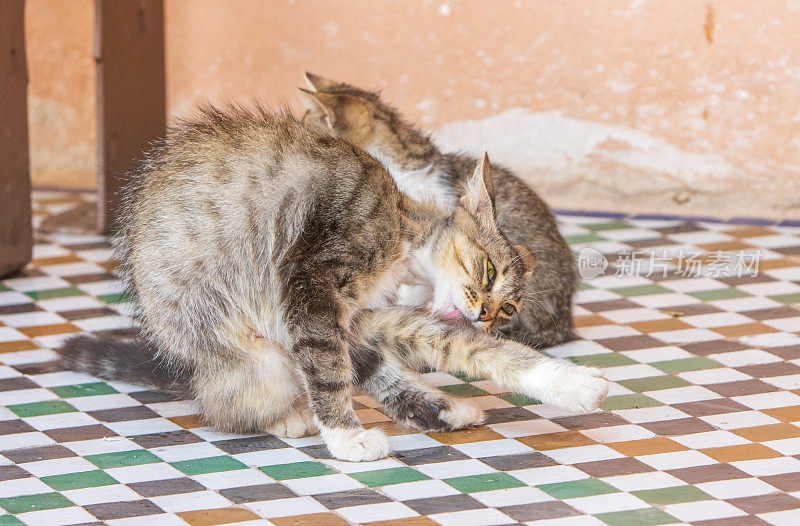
x=549 y=141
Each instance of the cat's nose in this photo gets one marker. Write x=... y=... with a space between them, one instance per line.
x=484 y=316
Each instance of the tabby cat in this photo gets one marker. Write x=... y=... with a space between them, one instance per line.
x=424 y=173
x=264 y=259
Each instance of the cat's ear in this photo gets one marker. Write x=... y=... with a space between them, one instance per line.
x=317 y=83
x=479 y=198
x=528 y=258
x=342 y=112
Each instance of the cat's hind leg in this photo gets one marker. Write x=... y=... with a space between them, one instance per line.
x=253 y=391
x=403 y=394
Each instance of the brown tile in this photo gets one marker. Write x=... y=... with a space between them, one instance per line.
x=12 y=427
x=48 y=330
x=647 y=446
x=716 y=406
x=443 y=504
x=744 y=520
x=121 y=510
x=19 y=308
x=750 y=231
x=591 y=320
x=741 y=388
x=74 y=434
x=392 y=428
x=788 y=352
x=12 y=472
x=784 y=414
x=768 y=432
x=88 y=246
x=539 y=511
x=466 y=436
x=159 y=488
x=217 y=516
x=82 y=314
x=408 y=521
x=57 y=260
x=770 y=370
x=517 y=461
x=710 y=473
x=613 y=467
x=713 y=347
x=16 y=346
x=784 y=481
x=123 y=414
x=693 y=309
x=560 y=440
x=679 y=426
x=600 y=306
x=772 y=264
x=682 y=228
x=188 y=421
x=670 y=324
x=788 y=251
x=630 y=343
x=745 y=329
x=735 y=281
x=766 y=503
x=35 y=454
x=590 y=420
x=741 y=452
x=168 y=438
x=89 y=278
x=16 y=383
x=726 y=246
x=314 y=519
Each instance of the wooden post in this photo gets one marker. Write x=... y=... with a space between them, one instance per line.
x=131 y=91
x=15 y=183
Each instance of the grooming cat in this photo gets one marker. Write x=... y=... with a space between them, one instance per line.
x=424 y=173
x=263 y=257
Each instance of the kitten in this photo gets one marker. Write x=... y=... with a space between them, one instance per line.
x=424 y=173
x=264 y=258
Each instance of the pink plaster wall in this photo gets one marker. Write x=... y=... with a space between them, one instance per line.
x=717 y=78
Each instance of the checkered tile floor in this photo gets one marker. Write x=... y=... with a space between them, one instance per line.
x=702 y=425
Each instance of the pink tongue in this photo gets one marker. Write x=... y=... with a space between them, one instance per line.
x=451 y=312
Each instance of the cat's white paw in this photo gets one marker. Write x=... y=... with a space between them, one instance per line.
x=566 y=385
x=296 y=424
x=462 y=414
x=356 y=445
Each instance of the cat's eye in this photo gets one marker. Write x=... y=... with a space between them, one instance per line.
x=490 y=271
x=508 y=309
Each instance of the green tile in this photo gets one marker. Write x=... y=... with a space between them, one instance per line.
x=628 y=401
x=653 y=383
x=583 y=286
x=486 y=482
x=119 y=459
x=615 y=225
x=42 y=501
x=462 y=390
x=609 y=359
x=583 y=238
x=55 y=293
x=577 y=488
x=84 y=479
x=674 y=495
x=697 y=363
x=786 y=298
x=3 y=288
x=719 y=294
x=198 y=466
x=114 y=298
x=641 y=290
x=90 y=389
x=9 y=520
x=519 y=399
x=50 y=407
x=645 y=517
x=385 y=477
x=297 y=470
x=464 y=377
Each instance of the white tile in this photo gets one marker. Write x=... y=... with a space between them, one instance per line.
x=658 y=354
x=359 y=467
x=733 y=489
x=58 y=466
x=644 y=481
x=23 y=486
x=769 y=466
x=607 y=503
x=198 y=500
x=384 y=511
x=745 y=357
x=36 y=283
x=233 y=479
x=181 y=452
x=548 y=475
x=666 y=300
x=785 y=324
x=780 y=518
x=716 y=319
x=322 y=484
x=741 y=419
x=101 y=445
x=272 y=457
x=710 y=439
x=598 y=332
x=287 y=507
x=788 y=382
x=535 y=426
x=693 y=284
x=480 y=517
x=626 y=372
x=711 y=509
x=491 y=448
x=454 y=468
x=419 y=489
x=686 y=336
x=619 y=433
x=678 y=395
x=511 y=496
x=768 y=400
x=32 y=319
x=676 y=460
x=650 y=414
x=57 y=517
x=574 y=455
x=101 y=494
x=714 y=376
x=744 y=304
x=786 y=446
x=776 y=339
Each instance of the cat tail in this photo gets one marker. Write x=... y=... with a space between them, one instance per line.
x=131 y=360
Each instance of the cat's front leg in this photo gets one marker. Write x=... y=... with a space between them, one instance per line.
x=325 y=362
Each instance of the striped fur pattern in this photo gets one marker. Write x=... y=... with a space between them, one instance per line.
x=264 y=258
x=425 y=173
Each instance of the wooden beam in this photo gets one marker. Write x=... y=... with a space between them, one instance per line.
x=15 y=182
x=131 y=92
